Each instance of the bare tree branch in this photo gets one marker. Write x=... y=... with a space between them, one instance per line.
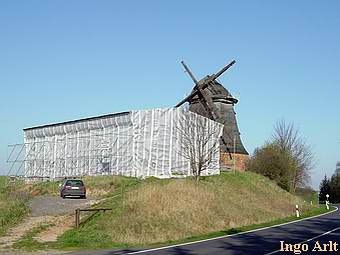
x=199 y=141
x=287 y=137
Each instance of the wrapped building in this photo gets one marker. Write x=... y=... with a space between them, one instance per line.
x=137 y=143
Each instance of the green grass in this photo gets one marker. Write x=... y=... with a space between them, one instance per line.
x=27 y=243
x=43 y=188
x=308 y=195
x=13 y=203
x=313 y=212
x=98 y=186
x=156 y=211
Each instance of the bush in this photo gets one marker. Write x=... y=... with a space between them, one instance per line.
x=272 y=162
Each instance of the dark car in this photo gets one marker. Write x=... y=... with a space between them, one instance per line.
x=72 y=187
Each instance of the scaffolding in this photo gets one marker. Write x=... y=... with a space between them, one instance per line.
x=68 y=156
x=137 y=144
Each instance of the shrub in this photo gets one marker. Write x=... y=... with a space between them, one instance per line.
x=272 y=162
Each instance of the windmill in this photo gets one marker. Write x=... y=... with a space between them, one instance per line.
x=210 y=99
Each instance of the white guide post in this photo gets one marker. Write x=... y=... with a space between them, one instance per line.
x=297 y=211
x=327 y=202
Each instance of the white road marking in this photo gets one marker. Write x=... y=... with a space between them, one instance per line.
x=221 y=237
x=326 y=233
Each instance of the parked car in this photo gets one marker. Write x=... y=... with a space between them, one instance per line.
x=73 y=187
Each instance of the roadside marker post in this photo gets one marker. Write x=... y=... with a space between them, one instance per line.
x=297 y=211
x=327 y=202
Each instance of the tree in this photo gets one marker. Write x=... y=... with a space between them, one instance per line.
x=331 y=187
x=334 y=194
x=289 y=140
x=325 y=188
x=199 y=139
x=286 y=158
x=271 y=162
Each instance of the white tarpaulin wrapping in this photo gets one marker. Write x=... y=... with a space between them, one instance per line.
x=137 y=143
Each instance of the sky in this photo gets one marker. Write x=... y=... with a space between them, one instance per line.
x=63 y=60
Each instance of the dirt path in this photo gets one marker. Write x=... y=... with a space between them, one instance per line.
x=59 y=225
x=47 y=210
x=53 y=205
x=16 y=233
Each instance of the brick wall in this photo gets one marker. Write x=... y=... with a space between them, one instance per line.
x=240 y=160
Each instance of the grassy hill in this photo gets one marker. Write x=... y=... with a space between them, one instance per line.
x=156 y=211
x=153 y=211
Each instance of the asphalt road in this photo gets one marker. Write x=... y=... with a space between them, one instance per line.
x=322 y=229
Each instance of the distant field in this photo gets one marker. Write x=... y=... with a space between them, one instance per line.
x=13 y=204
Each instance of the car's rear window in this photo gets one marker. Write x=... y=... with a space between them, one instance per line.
x=75 y=183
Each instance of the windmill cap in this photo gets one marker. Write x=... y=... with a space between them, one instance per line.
x=218 y=93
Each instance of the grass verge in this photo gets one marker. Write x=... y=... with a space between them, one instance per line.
x=28 y=243
x=232 y=231
x=13 y=203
